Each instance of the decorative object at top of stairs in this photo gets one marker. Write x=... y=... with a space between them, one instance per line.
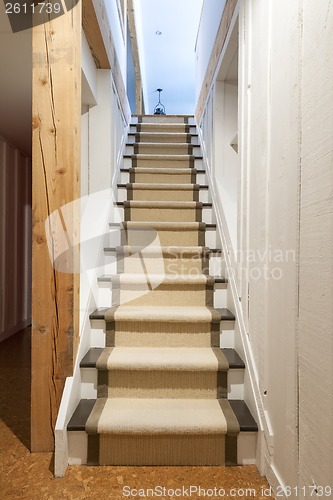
x=163 y=380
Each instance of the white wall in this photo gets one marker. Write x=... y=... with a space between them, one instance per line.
x=226 y=160
x=209 y=24
x=15 y=240
x=118 y=27
x=315 y=340
x=282 y=276
x=269 y=217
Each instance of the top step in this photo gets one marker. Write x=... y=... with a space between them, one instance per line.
x=186 y=119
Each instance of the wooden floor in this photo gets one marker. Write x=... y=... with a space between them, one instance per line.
x=29 y=476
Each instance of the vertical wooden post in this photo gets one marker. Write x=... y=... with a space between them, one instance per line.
x=135 y=51
x=56 y=182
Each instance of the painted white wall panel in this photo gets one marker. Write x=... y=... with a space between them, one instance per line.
x=316 y=247
x=283 y=273
x=15 y=240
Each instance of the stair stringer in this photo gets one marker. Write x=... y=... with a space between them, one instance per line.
x=252 y=395
x=72 y=390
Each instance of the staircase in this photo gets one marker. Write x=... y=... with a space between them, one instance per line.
x=157 y=387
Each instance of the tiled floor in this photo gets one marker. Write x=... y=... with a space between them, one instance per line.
x=29 y=476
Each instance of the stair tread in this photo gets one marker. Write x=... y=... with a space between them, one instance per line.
x=243 y=415
x=233 y=358
x=162 y=204
x=80 y=415
x=90 y=358
x=99 y=313
x=208 y=359
x=162 y=278
x=165 y=250
x=162 y=186
x=184 y=226
x=162 y=416
x=175 y=157
x=164 y=134
x=239 y=407
x=164 y=170
x=162 y=144
x=156 y=186
x=164 y=312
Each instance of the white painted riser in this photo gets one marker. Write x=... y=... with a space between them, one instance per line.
x=105 y=295
x=97 y=336
x=78 y=445
x=113 y=238
x=89 y=383
x=216 y=265
x=227 y=335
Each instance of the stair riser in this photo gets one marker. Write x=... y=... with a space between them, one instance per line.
x=158 y=128
x=159 y=384
x=227 y=337
x=160 y=450
x=162 y=178
x=116 y=263
x=234 y=387
x=165 y=334
x=89 y=383
x=162 y=149
x=78 y=448
x=97 y=336
x=164 y=119
x=162 y=163
x=120 y=237
x=167 y=214
x=162 y=137
x=163 y=295
x=163 y=215
x=106 y=297
x=174 y=266
x=162 y=195
x=170 y=238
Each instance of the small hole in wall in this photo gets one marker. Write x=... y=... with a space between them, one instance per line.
x=265 y=393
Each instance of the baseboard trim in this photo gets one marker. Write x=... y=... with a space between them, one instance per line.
x=15 y=329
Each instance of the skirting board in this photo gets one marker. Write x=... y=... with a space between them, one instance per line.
x=15 y=329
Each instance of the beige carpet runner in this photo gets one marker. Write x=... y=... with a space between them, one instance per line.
x=162 y=379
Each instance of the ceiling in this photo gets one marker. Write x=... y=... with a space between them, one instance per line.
x=168 y=59
x=15 y=84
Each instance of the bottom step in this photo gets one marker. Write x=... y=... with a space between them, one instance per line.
x=198 y=436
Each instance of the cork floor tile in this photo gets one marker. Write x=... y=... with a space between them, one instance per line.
x=29 y=476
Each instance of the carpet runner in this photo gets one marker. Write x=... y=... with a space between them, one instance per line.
x=162 y=378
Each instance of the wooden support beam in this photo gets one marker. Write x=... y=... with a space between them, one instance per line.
x=56 y=107
x=221 y=36
x=93 y=34
x=98 y=33
x=135 y=50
